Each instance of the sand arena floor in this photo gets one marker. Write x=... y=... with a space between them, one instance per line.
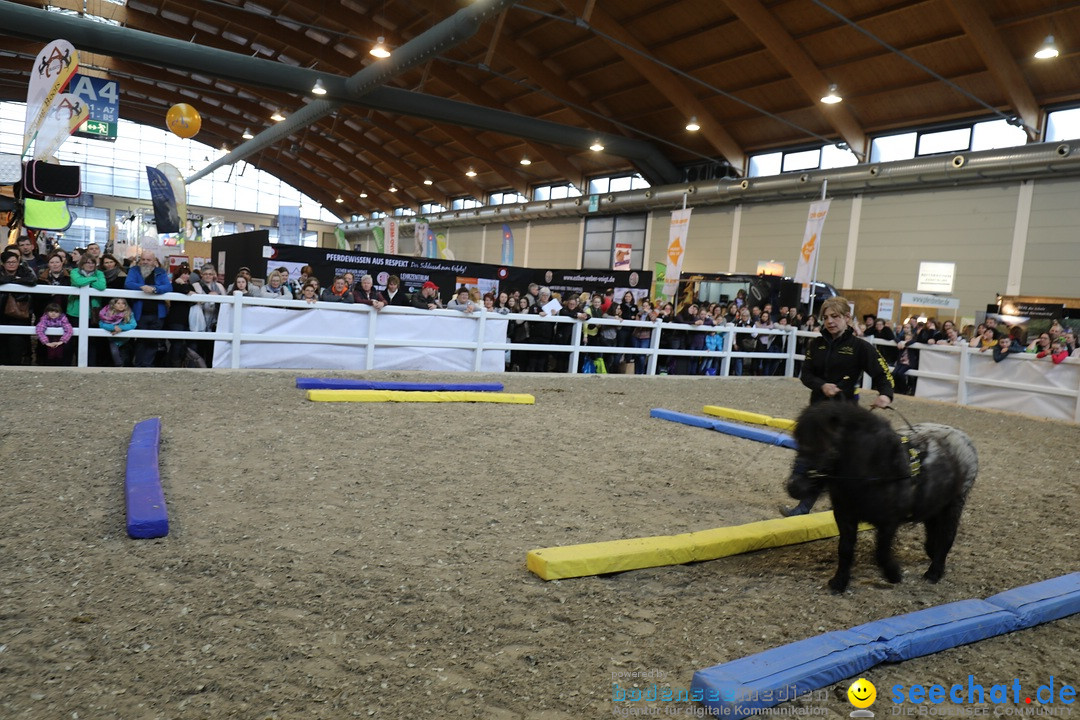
x=337 y=561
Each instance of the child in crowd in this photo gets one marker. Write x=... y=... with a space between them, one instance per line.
x=116 y=318
x=1057 y=352
x=1003 y=348
x=53 y=350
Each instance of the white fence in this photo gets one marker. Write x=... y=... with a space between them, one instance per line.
x=407 y=338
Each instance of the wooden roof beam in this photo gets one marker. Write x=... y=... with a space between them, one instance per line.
x=778 y=41
x=666 y=83
x=999 y=61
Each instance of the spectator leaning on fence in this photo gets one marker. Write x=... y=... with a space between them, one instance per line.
x=149 y=312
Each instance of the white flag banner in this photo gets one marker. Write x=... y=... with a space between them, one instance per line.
x=676 y=249
x=421 y=239
x=811 y=244
x=390 y=228
x=52 y=71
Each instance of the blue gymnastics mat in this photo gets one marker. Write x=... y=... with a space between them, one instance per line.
x=147 y=516
x=741 y=687
x=312 y=383
x=770 y=437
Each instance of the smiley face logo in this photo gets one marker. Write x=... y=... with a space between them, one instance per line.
x=862 y=693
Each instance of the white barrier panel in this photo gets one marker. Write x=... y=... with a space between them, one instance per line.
x=1019 y=383
x=296 y=326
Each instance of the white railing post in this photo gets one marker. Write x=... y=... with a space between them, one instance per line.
x=84 y=326
x=654 y=345
x=962 y=375
x=575 y=354
x=725 y=349
x=478 y=357
x=238 y=304
x=789 y=338
x=372 y=328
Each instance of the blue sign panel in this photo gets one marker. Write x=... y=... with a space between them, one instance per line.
x=103 y=98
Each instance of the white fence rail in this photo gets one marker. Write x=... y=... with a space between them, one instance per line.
x=953 y=374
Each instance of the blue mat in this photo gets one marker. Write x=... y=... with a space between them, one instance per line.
x=741 y=687
x=147 y=516
x=770 y=437
x=312 y=383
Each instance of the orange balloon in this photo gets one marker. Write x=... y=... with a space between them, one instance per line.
x=183 y=120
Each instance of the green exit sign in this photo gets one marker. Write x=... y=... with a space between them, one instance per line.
x=98 y=129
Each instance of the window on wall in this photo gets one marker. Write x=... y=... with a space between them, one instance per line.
x=431 y=208
x=782 y=161
x=602 y=234
x=119 y=168
x=404 y=212
x=1063 y=125
x=986 y=135
x=555 y=192
x=464 y=203
x=617 y=183
x=509 y=197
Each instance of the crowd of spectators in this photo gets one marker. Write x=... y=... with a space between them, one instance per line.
x=701 y=327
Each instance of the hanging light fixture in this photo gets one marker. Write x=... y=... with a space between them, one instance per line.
x=525 y=160
x=339 y=200
x=1048 y=50
x=833 y=97
x=363 y=194
x=428 y=181
x=247 y=134
x=596 y=146
x=470 y=173
x=277 y=116
x=380 y=50
x=393 y=188
x=319 y=88
x=693 y=126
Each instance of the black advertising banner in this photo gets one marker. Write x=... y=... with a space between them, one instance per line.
x=327 y=263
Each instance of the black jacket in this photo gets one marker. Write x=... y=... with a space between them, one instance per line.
x=842 y=361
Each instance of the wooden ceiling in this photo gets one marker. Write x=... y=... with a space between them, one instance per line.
x=751 y=71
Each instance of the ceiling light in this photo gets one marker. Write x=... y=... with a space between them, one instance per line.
x=525 y=160
x=428 y=181
x=339 y=200
x=393 y=188
x=693 y=126
x=470 y=173
x=832 y=98
x=363 y=194
x=380 y=50
x=277 y=116
x=318 y=89
x=247 y=134
x=224 y=148
x=1048 y=50
x=596 y=146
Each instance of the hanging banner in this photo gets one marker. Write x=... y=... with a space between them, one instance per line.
x=390 y=236
x=165 y=216
x=676 y=249
x=620 y=258
x=288 y=231
x=179 y=189
x=52 y=71
x=811 y=244
x=420 y=240
x=442 y=245
x=102 y=97
x=431 y=245
x=342 y=241
x=659 y=280
x=65 y=116
x=507 y=245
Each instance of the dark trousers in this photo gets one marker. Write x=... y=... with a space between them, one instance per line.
x=146 y=349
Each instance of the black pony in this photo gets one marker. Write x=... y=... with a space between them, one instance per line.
x=877 y=476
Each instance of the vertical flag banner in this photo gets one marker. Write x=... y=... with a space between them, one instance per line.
x=507 y=245
x=65 y=116
x=658 y=280
x=421 y=238
x=811 y=244
x=288 y=227
x=179 y=189
x=390 y=231
x=442 y=243
x=620 y=258
x=52 y=71
x=676 y=249
x=380 y=240
x=431 y=246
x=342 y=241
x=165 y=216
